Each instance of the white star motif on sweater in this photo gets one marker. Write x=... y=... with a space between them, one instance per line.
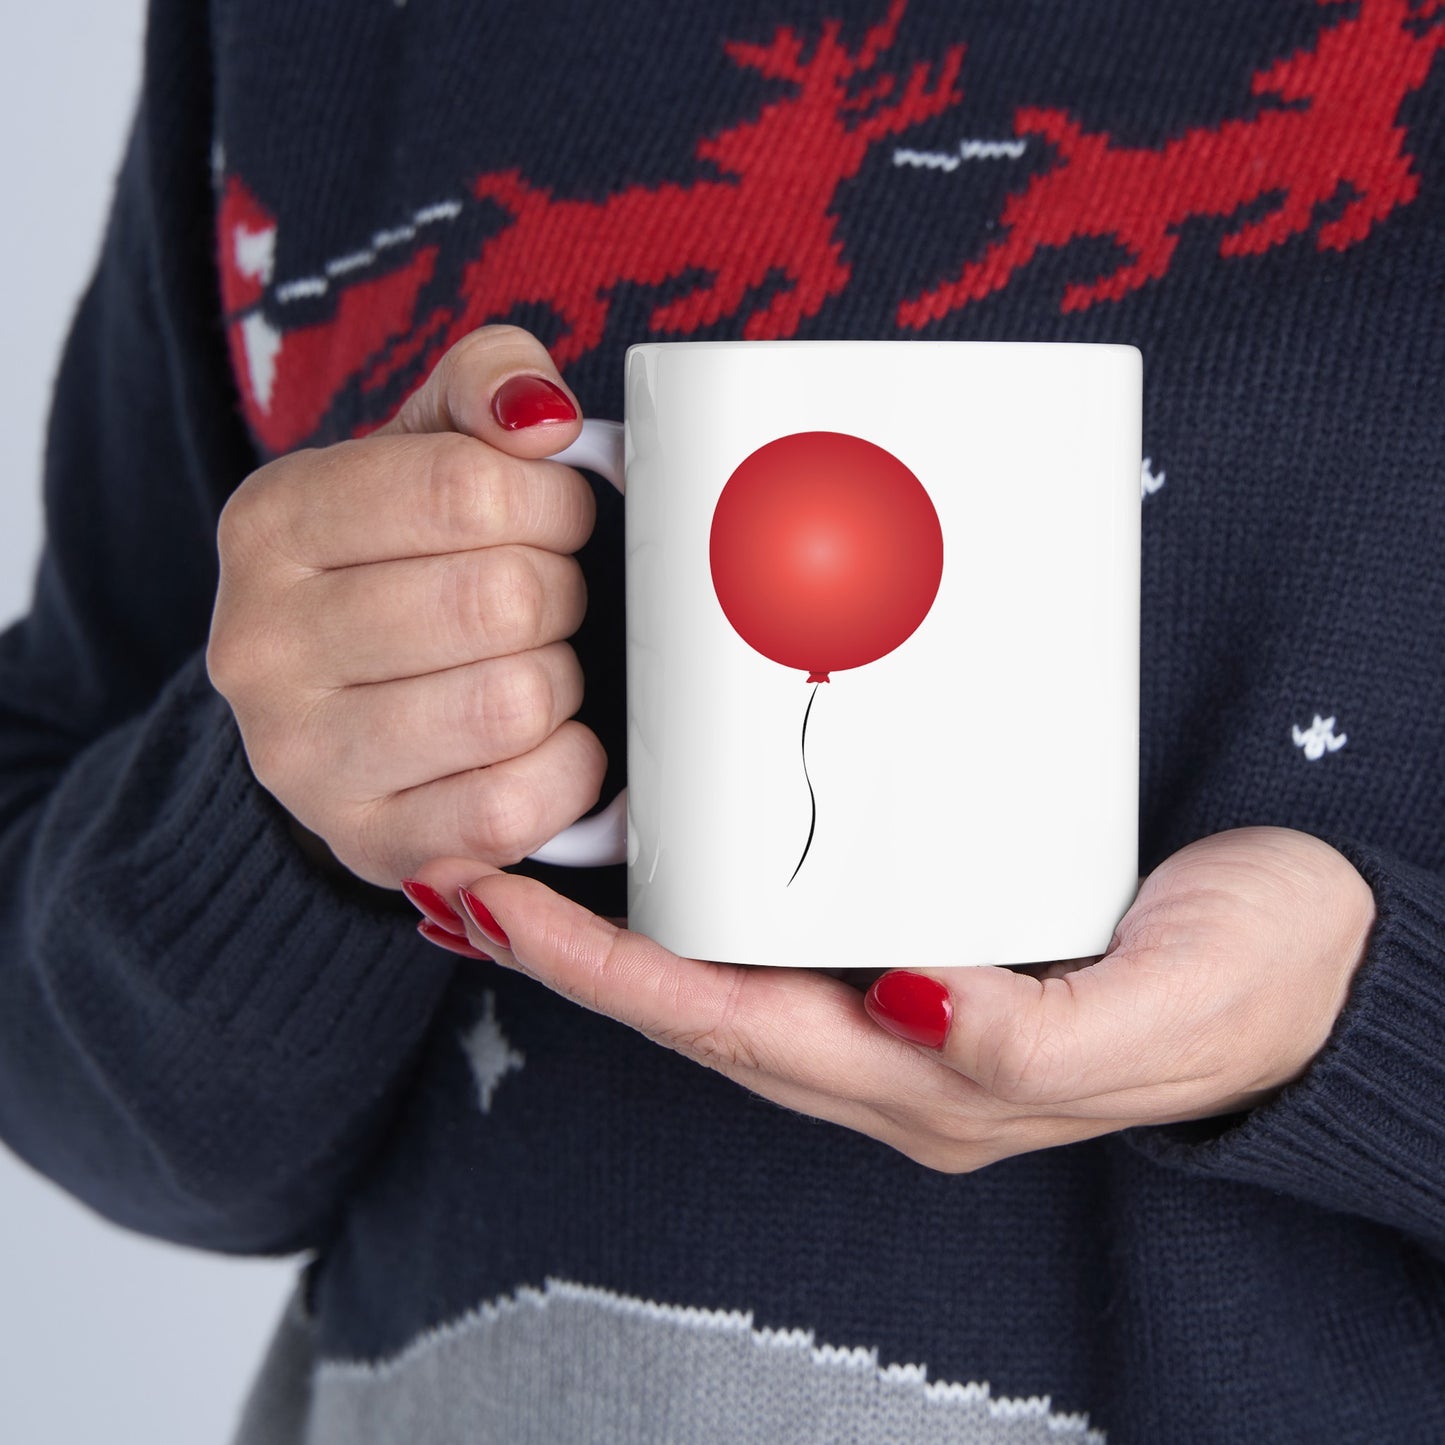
x=1319 y=738
x=489 y=1052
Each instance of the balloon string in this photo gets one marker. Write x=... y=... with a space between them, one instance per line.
x=812 y=799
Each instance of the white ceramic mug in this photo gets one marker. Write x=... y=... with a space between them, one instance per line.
x=882 y=650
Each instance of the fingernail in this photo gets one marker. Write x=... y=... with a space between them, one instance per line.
x=434 y=906
x=911 y=1006
x=481 y=916
x=451 y=942
x=523 y=401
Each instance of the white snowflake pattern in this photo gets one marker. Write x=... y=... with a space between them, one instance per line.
x=1149 y=480
x=1319 y=738
x=489 y=1052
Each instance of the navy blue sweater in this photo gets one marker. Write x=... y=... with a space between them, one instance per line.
x=525 y=1221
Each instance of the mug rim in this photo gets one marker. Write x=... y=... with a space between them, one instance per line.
x=881 y=343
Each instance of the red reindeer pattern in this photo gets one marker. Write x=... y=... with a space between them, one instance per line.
x=1329 y=131
x=1340 y=129
x=781 y=173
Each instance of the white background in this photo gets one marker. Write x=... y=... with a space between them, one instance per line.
x=104 y=1336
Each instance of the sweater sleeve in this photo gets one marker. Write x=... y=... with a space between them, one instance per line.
x=201 y=1036
x=1362 y=1132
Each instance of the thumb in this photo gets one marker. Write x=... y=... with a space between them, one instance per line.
x=499 y=385
x=1028 y=1040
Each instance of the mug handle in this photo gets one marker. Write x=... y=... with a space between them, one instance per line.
x=602 y=838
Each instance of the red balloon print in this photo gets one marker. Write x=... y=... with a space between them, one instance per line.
x=826 y=552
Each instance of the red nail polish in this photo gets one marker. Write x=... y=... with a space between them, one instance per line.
x=434 y=906
x=481 y=915
x=451 y=942
x=523 y=401
x=911 y=1006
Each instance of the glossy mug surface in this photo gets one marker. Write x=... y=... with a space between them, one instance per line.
x=882 y=649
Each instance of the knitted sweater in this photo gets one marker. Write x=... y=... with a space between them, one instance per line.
x=525 y=1222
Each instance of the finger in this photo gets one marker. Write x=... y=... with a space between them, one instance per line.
x=1074 y=1042
x=433 y=905
x=789 y=1035
x=405 y=496
x=1055 y=968
x=804 y=1032
x=459 y=879
x=417 y=615
x=441 y=882
x=498 y=814
x=451 y=942
x=394 y=736
x=498 y=385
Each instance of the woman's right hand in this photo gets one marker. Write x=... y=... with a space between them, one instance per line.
x=389 y=626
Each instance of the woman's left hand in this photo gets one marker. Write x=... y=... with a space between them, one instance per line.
x=1222 y=982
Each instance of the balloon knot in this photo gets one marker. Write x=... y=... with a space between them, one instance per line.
x=819 y=677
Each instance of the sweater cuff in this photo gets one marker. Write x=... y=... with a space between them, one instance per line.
x=1363 y=1130
x=225 y=915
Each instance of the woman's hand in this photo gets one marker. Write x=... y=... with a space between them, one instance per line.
x=1222 y=982
x=389 y=627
